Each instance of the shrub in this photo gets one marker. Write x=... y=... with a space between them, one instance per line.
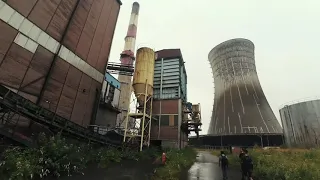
x=177 y=160
x=56 y=156
x=283 y=164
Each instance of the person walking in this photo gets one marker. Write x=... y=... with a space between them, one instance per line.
x=223 y=163
x=246 y=164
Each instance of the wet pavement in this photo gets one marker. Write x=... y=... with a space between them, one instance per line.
x=207 y=167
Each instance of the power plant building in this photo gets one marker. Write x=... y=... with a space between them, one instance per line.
x=240 y=105
x=301 y=124
x=55 y=53
x=170 y=96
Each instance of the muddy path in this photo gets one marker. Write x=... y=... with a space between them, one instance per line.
x=207 y=167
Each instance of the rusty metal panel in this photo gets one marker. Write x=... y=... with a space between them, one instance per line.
x=73 y=77
x=167 y=107
x=169 y=53
x=43 y=12
x=79 y=108
x=14 y=66
x=85 y=84
x=107 y=40
x=32 y=98
x=301 y=124
x=32 y=82
x=66 y=102
x=22 y=6
x=89 y=29
x=168 y=133
x=41 y=60
x=51 y=95
x=7 y=36
x=38 y=68
x=1 y=58
x=95 y=88
x=60 y=70
x=77 y=24
x=60 y=19
x=100 y=30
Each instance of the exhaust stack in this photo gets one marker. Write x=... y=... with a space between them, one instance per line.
x=127 y=58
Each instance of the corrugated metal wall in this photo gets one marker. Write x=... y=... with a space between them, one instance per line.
x=25 y=60
x=170 y=78
x=301 y=124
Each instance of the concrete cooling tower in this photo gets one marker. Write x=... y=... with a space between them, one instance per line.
x=240 y=106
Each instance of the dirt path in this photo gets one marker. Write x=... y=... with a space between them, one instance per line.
x=207 y=167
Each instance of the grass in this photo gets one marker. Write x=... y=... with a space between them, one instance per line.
x=283 y=164
x=178 y=161
x=56 y=156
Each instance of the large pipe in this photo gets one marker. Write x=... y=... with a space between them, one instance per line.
x=127 y=58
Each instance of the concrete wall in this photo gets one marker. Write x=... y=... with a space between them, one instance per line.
x=106 y=117
x=240 y=105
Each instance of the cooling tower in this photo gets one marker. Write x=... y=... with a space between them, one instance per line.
x=240 y=106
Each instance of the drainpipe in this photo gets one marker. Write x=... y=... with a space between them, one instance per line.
x=57 y=53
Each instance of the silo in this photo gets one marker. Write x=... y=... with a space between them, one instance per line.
x=143 y=75
x=240 y=105
x=301 y=123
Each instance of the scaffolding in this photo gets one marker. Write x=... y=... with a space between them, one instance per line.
x=140 y=132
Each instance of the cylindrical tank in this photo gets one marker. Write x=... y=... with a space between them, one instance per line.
x=143 y=74
x=301 y=124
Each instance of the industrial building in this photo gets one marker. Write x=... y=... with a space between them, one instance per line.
x=163 y=117
x=108 y=110
x=241 y=112
x=54 y=53
x=301 y=124
x=53 y=57
x=170 y=98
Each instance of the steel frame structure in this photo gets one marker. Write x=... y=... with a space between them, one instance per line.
x=144 y=113
x=13 y=105
x=121 y=69
x=193 y=120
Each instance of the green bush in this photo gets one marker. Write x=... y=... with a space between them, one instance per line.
x=56 y=156
x=177 y=160
x=282 y=164
x=287 y=165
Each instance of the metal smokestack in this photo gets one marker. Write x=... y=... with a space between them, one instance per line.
x=127 y=58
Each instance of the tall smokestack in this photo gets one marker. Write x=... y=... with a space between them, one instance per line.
x=127 y=58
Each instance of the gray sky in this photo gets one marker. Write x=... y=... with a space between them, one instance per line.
x=286 y=34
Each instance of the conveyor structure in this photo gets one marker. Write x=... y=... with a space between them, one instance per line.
x=13 y=105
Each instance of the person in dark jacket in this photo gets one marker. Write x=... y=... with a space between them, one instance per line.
x=241 y=155
x=246 y=165
x=223 y=163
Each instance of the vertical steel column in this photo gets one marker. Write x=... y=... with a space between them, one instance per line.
x=127 y=120
x=144 y=115
x=150 y=121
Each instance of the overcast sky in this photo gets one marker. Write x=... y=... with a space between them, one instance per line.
x=286 y=34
